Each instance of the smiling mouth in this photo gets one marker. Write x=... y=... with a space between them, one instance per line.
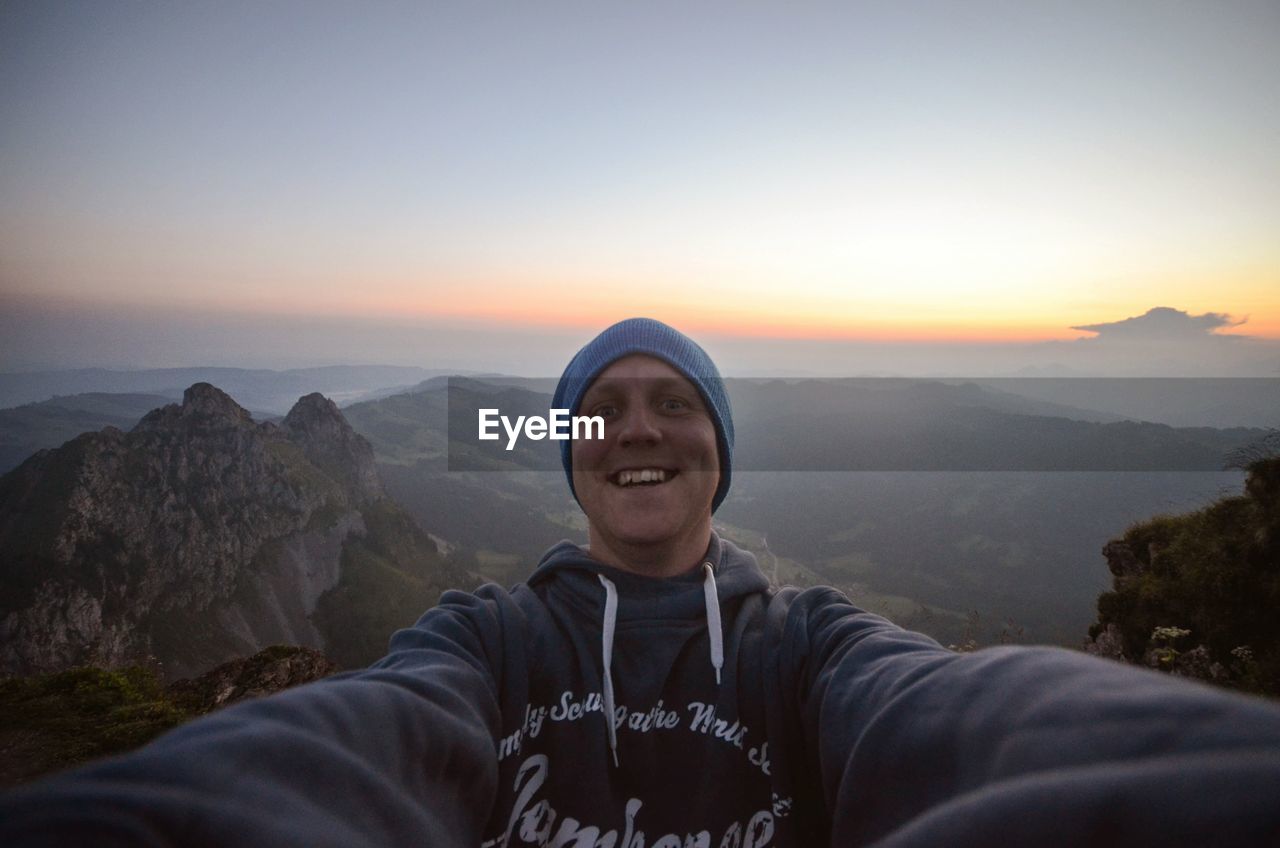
x=629 y=477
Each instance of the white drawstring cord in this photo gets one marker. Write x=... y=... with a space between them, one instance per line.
x=606 y=639
x=713 y=619
x=609 y=625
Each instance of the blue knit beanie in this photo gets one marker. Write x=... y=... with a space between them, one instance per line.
x=645 y=335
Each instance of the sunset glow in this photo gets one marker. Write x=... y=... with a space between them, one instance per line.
x=952 y=174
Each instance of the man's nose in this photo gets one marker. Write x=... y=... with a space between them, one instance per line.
x=638 y=425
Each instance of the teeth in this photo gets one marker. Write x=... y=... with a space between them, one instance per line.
x=641 y=475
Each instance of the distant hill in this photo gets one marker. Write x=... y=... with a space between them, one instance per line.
x=928 y=548
x=1017 y=548
x=47 y=424
x=270 y=391
x=1223 y=402
x=501 y=516
x=870 y=425
x=201 y=536
x=436 y=422
x=920 y=425
x=406 y=427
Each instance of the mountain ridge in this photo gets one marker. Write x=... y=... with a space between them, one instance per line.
x=268 y=390
x=199 y=536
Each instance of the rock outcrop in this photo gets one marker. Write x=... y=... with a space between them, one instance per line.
x=198 y=536
x=269 y=671
x=1196 y=594
x=332 y=446
x=1121 y=560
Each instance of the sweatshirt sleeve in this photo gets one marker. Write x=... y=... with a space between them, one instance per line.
x=918 y=745
x=401 y=753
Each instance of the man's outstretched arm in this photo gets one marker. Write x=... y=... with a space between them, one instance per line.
x=918 y=745
x=401 y=753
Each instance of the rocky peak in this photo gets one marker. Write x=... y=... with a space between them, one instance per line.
x=205 y=399
x=115 y=546
x=317 y=426
x=203 y=405
x=316 y=416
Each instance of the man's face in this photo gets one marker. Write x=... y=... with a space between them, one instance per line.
x=658 y=427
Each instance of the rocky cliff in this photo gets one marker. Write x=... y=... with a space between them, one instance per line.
x=197 y=537
x=1196 y=594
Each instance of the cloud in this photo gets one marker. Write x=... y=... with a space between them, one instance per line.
x=1163 y=324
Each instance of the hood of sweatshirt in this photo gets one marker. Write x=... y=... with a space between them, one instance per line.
x=569 y=570
x=568 y=575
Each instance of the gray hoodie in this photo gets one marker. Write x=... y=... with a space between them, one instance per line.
x=740 y=716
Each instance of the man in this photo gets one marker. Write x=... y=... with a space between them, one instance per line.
x=651 y=690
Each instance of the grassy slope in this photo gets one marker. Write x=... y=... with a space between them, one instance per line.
x=389 y=578
x=54 y=721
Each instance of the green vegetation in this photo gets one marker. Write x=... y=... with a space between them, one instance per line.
x=1198 y=594
x=406 y=428
x=53 y=721
x=389 y=578
x=508 y=519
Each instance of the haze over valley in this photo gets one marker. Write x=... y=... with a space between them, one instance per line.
x=960 y=508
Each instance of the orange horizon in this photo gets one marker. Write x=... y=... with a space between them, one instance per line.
x=740 y=322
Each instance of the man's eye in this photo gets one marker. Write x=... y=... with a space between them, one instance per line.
x=605 y=410
x=674 y=405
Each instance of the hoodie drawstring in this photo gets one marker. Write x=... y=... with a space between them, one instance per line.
x=606 y=637
x=713 y=619
x=609 y=624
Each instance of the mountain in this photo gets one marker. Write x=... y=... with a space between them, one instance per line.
x=47 y=424
x=200 y=536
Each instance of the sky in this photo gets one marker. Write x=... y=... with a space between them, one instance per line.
x=814 y=187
